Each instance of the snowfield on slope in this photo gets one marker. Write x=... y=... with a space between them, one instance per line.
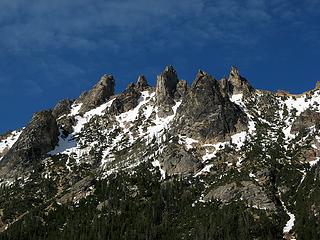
x=8 y=142
x=68 y=144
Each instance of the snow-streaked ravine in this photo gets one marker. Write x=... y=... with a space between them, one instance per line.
x=156 y=130
x=150 y=126
x=68 y=144
x=160 y=124
x=289 y=225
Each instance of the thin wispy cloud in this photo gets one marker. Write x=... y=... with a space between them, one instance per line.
x=57 y=48
x=38 y=25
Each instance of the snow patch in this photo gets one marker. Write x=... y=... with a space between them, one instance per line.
x=314 y=162
x=217 y=147
x=75 y=108
x=98 y=111
x=159 y=124
x=252 y=175
x=132 y=115
x=188 y=142
x=156 y=163
x=236 y=98
x=238 y=139
x=68 y=144
x=206 y=169
x=8 y=142
x=289 y=225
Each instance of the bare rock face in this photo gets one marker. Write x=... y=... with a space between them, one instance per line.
x=237 y=84
x=224 y=87
x=246 y=190
x=206 y=114
x=182 y=88
x=37 y=139
x=307 y=119
x=78 y=191
x=66 y=123
x=62 y=107
x=98 y=95
x=176 y=160
x=165 y=90
x=60 y=113
x=126 y=101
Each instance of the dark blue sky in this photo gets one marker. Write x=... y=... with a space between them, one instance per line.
x=50 y=50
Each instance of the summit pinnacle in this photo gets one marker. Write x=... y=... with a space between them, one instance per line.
x=99 y=94
x=166 y=87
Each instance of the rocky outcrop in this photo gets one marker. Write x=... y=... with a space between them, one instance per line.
x=125 y=101
x=305 y=120
x=176 y=160
x=37 y=139
x=206 y=114
x=66 y=123
x=142 y=83
x=165 y=90
x=79 y=190
x=236 y=84
x=98 y=95
x=63 y=107
x=254 y=195
x=181 y=89
x=224 y=87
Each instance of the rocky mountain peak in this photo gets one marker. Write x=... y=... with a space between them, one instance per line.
x=166 y=87
x=206 y=114
x=170 y=69
x=234 y=73
x=106 y=80
x=202 y=78
x=142 y=83
x=167 y=82
x=205 y=150
x=238 y=84
x=201 y=73
x=99 y=94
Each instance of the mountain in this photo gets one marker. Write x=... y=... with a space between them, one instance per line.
x=215 y=160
